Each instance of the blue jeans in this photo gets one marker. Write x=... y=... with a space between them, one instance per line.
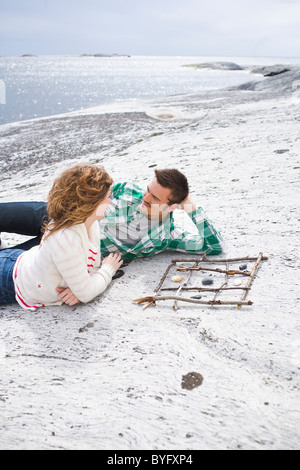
x=8 y=260
x=24 y=218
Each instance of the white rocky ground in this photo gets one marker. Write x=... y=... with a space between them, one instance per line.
x=108 y=375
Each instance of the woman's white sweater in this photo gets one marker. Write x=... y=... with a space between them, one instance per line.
x=67 y=258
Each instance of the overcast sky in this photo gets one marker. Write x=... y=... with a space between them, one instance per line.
x=261 y=28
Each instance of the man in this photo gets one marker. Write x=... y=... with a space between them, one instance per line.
x=137 y=223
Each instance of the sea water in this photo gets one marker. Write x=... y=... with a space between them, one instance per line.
x=33 y=87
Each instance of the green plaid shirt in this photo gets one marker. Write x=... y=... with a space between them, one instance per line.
x=161 y=236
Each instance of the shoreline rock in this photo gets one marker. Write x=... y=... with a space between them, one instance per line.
x=270 y=71
x=216 y=66
x=278 y=79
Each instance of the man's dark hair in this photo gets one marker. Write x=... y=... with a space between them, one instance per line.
x=176 y=181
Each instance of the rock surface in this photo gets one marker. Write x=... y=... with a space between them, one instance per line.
x=285 y=80
x=271 y=70
x=217 y=66
x=108 y=375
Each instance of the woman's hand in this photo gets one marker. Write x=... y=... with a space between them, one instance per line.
x=114 y=259
x=66 y=296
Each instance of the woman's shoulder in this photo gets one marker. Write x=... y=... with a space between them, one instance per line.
x=69 y=235
x=75 y=236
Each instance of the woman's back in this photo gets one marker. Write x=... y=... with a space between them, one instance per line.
x=67 y=258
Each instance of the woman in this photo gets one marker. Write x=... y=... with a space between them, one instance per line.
x=65 y=267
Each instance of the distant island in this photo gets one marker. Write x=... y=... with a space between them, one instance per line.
x=104 y=55
x=87 y=55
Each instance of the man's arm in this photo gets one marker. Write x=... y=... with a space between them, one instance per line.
x=208 y=240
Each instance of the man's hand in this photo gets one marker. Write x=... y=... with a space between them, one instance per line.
x=187 y=205
x=66 y=296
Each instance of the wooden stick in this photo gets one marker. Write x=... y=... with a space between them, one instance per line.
x=192 y=301
x=205 y=288
x=175 y=307
x=231 y=272
x=151 y=302
x=254 y=269
x=164 y=277
x=223 y=285
x=148 y=304
x=210 y=260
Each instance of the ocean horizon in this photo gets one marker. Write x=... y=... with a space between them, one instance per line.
x=41 y=86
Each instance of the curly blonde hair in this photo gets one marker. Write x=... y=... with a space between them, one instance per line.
x=75 y=195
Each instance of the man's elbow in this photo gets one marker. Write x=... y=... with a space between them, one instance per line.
x=216 y=249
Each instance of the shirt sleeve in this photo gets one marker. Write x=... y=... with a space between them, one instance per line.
x=208 y=240
x=69 y=258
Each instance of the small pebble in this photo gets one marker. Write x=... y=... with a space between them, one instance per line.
x=238 y=282
x=84 y=328
x=177 y=278
x=243 y=267
x=207 y=281
x=196 y=297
